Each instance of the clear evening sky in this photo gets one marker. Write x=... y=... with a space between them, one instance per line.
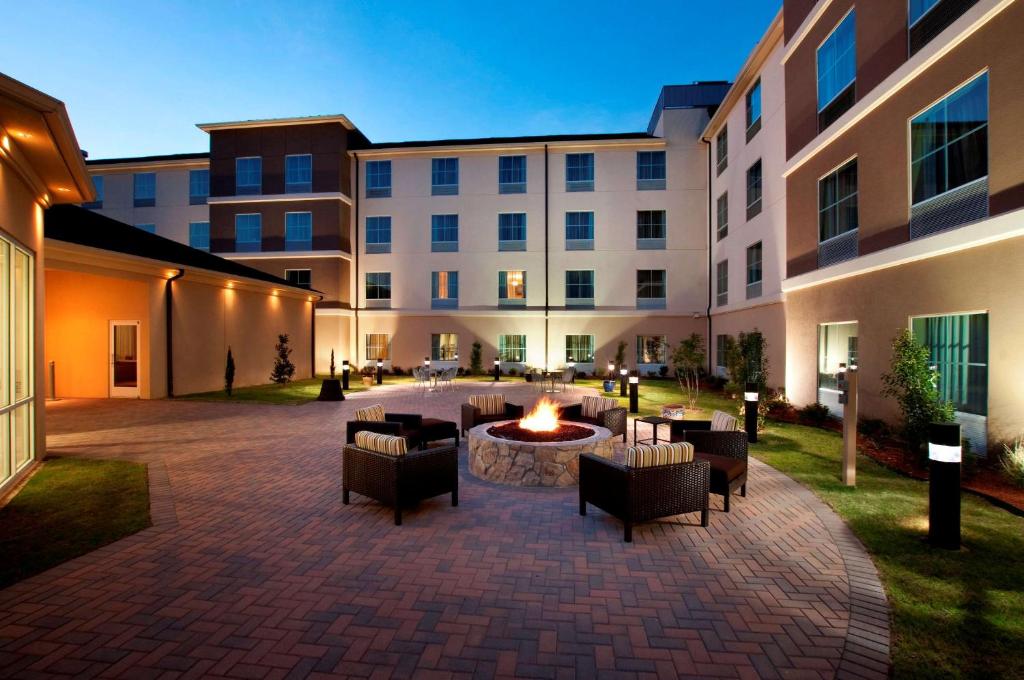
x=137 y=76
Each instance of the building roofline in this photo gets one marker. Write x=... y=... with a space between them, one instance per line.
x=522 y=139
x=199 y=155
x=278 y=122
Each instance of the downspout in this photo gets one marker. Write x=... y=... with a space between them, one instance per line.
x=547 y=299
x=169 y=307
x=355 y=259
x=711 y=272
x=312 y=338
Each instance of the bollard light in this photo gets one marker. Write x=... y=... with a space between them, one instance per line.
x=345 y=368
x=750 y=401
x=611 y=370
x=634 y=393
x=497 y=369
x=380 y=371
x=623 y=372
x=944 y=462
x=426 y=361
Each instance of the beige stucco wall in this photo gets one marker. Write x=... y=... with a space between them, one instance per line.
x=333 y=332
x=770 y=319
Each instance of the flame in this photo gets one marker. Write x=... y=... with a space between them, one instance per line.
x=543 y=417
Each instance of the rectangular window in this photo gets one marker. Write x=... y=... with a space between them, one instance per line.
x=650 y=289
x=837 y=202
x=199 y=235
x=444 y=233
x=651 y=349
x=298 y=231
x=248 y=175
x=444 y=290
x=198 y=187
x=378 y=346
x=722 y=150
x=579 y=288
x=512 y=288
x=512 y=349
x=926 y=19
x=148 y=227
x=579 y=230
x=378 y=179
x=579 y=172
x=511 y=174
x=303 y=278
x=722 y=283
x=444 y=176
x=958 y=348
x=721 y=343
x=97 y=185
x=17 y=426
x=754 y=190
x=512 y=231
x=248 y=233
x=144 y=189
x=837 y=71
x=918 y=8
x=723 y=215
x=837 y=344
x=579 y=348
x=378 y=289
x=754 y=270
x=650 y=170
x=298 y=174
x=650 y=230
x=753 y=110
x=378 y=234
x=444 y=346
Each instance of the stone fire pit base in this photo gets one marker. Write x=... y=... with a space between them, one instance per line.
x=533 y=463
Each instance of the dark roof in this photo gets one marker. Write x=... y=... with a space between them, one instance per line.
x=72 y=224
x=707 y=94
x=510 y=140
x=199 y=155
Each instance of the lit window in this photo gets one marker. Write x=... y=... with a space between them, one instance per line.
x=579 y=172
x=512 y=288
x=444 y=346
x=144 y=189
x=651 y=349
x=17 y=380
x=248 y=233
x=248 y=175
x=378 y=346
x=199 y=235
x=444 y=290
x=511 y=174
x=512 y=349
x=298 y=174
x=378 y=179
x=444 y=176
x=837 y=344
x=579 y=348
x=958 y=348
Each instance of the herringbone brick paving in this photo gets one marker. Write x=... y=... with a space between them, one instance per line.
x=254 y=569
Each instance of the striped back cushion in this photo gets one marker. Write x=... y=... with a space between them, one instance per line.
x=489 y=404
x=382 y=443
x=594 y=405
x=647 y=455
x=723 y=421
x=373 y=413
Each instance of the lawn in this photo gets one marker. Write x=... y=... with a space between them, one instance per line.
x=68 y=508
x=297 y=392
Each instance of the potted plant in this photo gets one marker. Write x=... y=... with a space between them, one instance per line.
x=368 y=373
x=528 y=373
x=330 y=388
x=609 y=381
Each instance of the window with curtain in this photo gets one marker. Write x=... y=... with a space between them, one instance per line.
x=298 y=231
x=512 y=348
x=199 y=235
x=444 y=176
x=512 y=287
x=958 y=348
x=651 y=349
x=511 y=231
x=837 y=344
x=721 y=343
x=248 y=175
x=511 y=174
x=198 y=186
x=378 y=234
x=378 y=179
x=248 y=232
x=444 y=346
x=144 y=189
x=837 y=62
x=579 y=172
x=378 y=346
x=444 y=233
x=722 y=207
x=579 y=230
x=579 y=348
x=444 y=290
x=837 y=202
x=579 y=286
x=298 y=173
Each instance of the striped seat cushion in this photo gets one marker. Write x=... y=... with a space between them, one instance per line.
x=382 y=443
x=373 y=413
x=593 y=405
x=723 y=422
x=647 y=455
x=489 y=404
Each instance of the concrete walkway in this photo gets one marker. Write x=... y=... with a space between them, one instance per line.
x=254 y=568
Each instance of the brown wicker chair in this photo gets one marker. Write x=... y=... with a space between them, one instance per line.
x=400 y=481
x=406 y=425
x=640 y=494
x=725 y=450
x=614 y=418
x=471 y=415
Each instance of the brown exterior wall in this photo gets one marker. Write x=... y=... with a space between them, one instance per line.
x=330 y=224
x=793 y=14
x=329 y=275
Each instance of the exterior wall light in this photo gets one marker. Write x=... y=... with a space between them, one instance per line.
x=944 y=462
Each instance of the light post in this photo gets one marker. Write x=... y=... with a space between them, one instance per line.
x=623 y=372
x=497 y=369
x=634 y=392
x=750 y=401
x=611 y=370
x=571 y=363
x=344 y=374
x=380 y=371
x=944 y=459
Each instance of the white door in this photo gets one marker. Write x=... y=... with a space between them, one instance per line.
x=124 y=359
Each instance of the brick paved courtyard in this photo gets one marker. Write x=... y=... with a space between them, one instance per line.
x=254 y=568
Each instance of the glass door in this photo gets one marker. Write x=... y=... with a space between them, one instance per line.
x=124 y=359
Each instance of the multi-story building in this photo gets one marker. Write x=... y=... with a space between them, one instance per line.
x=905 y=188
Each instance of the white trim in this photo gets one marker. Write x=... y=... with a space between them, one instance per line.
x=286 y=254
x=277 y=122
x=805 y=28
x=575 y=146
x=276 y=198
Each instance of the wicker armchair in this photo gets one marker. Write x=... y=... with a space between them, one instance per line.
x=400 y=481
x=640 y=494
x=472 y=416
x=726 y=452
x=406 y=425
x=612 y=418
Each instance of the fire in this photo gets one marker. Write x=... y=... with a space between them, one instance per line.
x=543 y=417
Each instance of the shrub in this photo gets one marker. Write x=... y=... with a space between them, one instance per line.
x=284 y=369
x=874 y=429
x=663 y=371
x=620 y=353
x=229 y=372
x=776 y=402
x=1012 y=461
x=688 y=361
x=815 y=414
x=513 y=372
x=913 y=383
x=581 y=375
x=762 y=413
x=397 y=370
x=332 y=363
x=476 y=362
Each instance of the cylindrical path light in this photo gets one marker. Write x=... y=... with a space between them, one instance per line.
x=345 y=368
x=944 y=460
x=634 y=393
x=750 y=401
x=497 y=369
x=623 y=374
x=380 y=371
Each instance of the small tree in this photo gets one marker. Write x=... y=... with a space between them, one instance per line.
x=620 y=354
x=688 y=360
x=753 y=349
x=914 y=384
x=229 y=373
x=332 y=364
x=476 y=362
x=284 y=369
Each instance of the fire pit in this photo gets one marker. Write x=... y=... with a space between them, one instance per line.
x=538 y=450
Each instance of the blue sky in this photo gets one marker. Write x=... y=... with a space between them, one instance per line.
x=137 y=76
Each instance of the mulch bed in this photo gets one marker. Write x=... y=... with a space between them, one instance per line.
x=564 y=433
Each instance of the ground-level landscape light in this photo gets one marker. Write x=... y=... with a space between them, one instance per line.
x=623 y=372
x=750 y=400
x=497 y=369
x=380 y=371
x=345 y=368
x=634 y=393
x=611 y=369
x=944 y=462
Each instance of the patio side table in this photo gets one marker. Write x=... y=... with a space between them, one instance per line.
x=653 y=421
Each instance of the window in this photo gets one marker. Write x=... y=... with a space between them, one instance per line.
x=444 y=346
x=444 y=290
x=248 y=175
x=579 y=288
x=837 y=344
x=651 y=349
x=298 y=174
x=298 y=231
x=378 y=289
x=650 y=229
x=837 y=202
x=144 y=189
x=303 y=278
x=512 y=349
x=650 y=170
x=928 y=18
x=378 y=234
x=378 y=179
x=378 y=346
x=753 y=110
x=650 y=289
x=837 y=71
x=579 y=172
x=723 y=215
x=722 y=283
x=147 y=227
x=17 y=324
x=754 y=190
x=918 y=8
x=958 y=348
x=198 y=186
x=511 y=174
x=579 y=348
x=444 y=233
x=248 y=233
x=722 y=150
x=97 y=185
x=579 y=231
x=512 y=288
x=512 y=231
x=754 y=271
x=721 y=353
x=444 y=176
x=199 y=235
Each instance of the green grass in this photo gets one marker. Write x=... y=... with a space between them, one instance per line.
x=68 y=508
x=294 y=393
